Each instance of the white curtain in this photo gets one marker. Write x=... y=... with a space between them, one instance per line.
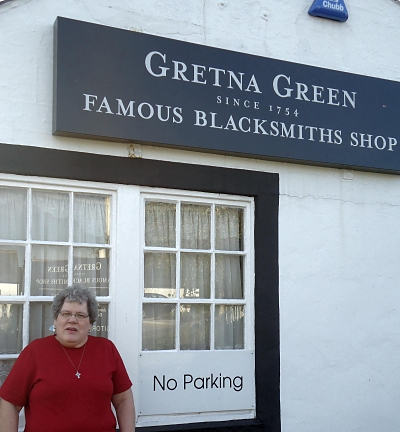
x=195 y=273
x=91 y=219
x=50 y=212
x=229 y=327
x=12 y=214
x=229 y=228
x=195 y=226
x=160 y=225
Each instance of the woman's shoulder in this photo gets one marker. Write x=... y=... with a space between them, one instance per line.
x=39 y=345
x=99 y=341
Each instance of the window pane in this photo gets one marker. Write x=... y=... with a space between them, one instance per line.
x=100 y=327
x=91 y=269
x=10 y=328
x=195 y=226
x=5 y=367
x=159 y=275
x=228 y=228
x=228 y=276
x=160 y=224
x=91 y=219
x=229 y=327
x=40 y=320
x=50 y=212
x=158 y=331
x=195 y=327
x=49 y=269
x=195 y=275
x=12 y=270
x=12 y=214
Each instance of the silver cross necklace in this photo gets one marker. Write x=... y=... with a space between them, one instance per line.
x=78 y=375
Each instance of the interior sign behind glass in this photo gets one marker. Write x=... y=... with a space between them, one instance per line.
x=132 y=87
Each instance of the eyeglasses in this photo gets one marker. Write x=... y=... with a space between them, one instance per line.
x=67 y=315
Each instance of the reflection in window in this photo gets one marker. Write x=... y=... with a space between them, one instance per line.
x=159 y=275
x=10 y=328
x=12 y=270
x=100 y=327
x=195 y=327
x=91 y=269
x=56 y=256
x=40 y=320
x=49 y=269
x=158 y=329
x=195 y=275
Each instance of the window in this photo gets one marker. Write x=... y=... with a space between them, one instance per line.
x=50 y=237
x=194 y=261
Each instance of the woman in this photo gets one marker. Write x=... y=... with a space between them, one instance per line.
x=68 y=381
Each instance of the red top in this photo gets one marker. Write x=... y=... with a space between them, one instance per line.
x=43 y=381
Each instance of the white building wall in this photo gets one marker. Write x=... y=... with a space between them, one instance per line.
x=339 y=236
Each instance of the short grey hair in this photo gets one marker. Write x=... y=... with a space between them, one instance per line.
x=76 y=294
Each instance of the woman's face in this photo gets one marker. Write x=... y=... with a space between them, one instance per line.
x=72 y=331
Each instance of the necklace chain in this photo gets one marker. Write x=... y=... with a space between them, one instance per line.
x=78 y=375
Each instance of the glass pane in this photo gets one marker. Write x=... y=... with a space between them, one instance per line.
x=91 y=218
x=228 y=276
x=12 y=214
x=41 y=321
x=158 y=331
x=229 y=327
x=159 y=275
x=195 y=275
x=91 y=269
x=228 y=228
x=160 y=224
x=100 y=327
x=10 y=328
x=5 y=367
x=195 y=327
x=50 y=212
x=195 y=226
x=12 y=270
x=49 y=269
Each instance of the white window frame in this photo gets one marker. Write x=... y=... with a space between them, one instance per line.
x=150 y=357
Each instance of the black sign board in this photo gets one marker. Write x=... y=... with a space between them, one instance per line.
x=121 y=85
